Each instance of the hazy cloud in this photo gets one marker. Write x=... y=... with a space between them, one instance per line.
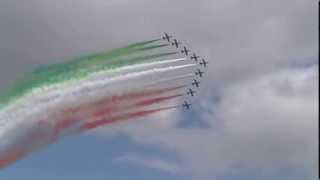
x=153 y=163
x=266 y=124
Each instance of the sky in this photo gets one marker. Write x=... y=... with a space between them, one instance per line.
x=256 y=115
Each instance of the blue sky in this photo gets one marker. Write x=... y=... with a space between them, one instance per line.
x=89 y=157
x=256 y=117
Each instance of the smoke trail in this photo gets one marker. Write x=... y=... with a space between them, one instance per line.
x=12 y=156
x=156 y=100
x=152 y=71
x=87 y=92
x=41 y=108
x=99 y=84
x=83 y=72
x=115 y=108
x=78 y=69
x=97 y=56
x=102 y=122
x=136 y=95
x=37 y=137
x=96 y=83
x=164 y=80
x=149 y=64
x=111 y=101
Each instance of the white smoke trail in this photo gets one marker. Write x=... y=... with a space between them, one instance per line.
x=146 y=65
x=36 y=107
x=100 y=75
x=164 y=80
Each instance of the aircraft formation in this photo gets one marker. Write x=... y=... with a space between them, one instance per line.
x=193 y=56
x=96 y=90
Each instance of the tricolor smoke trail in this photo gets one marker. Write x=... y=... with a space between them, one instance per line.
x=88 y=92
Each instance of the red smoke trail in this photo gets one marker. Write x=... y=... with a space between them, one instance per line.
x=142 y=103
x=128 y=116
x=36 y=138
x=149 y=102
x=66 y=122
x=11 y=157
x=116 y=98
x=140 y=94
x=110 y=106
x=131 y=96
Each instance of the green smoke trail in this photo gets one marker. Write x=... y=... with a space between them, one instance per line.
x=81 y=67
x=82 y=72
x=100 y=61
x=93 y=58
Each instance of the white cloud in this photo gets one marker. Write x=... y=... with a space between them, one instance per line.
x=267 y=123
